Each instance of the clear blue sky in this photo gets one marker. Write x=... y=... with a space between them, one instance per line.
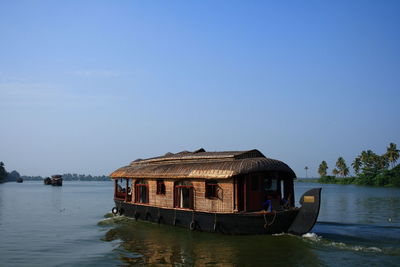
x=88 y=86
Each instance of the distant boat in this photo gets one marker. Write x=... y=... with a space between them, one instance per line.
x=20 y=180
x=47 y=181
x=56 y=180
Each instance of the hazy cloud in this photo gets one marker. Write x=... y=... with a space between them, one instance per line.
x=28 y=94
x=99 y=73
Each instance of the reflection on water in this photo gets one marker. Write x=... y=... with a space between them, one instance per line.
x=150 y=243
x=380 y=208
x=356 y=231
x=1 y=202
x=357 y=204
x=144 y=243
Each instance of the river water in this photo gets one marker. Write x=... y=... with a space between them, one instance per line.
x=72 y=226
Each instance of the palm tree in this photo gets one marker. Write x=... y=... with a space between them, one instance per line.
x=335 y=172
x=356 y=165
x=306 y=168
x=345 y=171
x=392 y=153
x=339 y=162
x=342 y=167
x=322 y=168
x=368 y=158
x=382 y=162
x=372 y=163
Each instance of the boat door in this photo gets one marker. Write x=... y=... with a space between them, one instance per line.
x=255 y=194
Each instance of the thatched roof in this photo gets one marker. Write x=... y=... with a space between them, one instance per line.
x=203 y=165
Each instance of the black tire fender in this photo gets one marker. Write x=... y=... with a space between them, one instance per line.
x=192 y=226
x=114 y=210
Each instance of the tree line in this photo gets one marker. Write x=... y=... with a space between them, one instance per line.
x=7 y=176
x=72 y=177
x=3 y=173
x=14 y=175
x=369 y=169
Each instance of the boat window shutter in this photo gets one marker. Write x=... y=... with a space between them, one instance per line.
x=126 y=190
x=136 y=193
x=176 y=196
x=147 y=194
x=219 y=192
x=191 y=198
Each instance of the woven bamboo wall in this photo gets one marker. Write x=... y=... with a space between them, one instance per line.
x=164 y=201
x=221 y=204
x=224 y=202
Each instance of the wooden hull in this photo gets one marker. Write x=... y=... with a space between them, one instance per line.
x=56 y=182
x=226 y=223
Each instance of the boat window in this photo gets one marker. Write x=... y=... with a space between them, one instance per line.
x=270 y=185
x=183 y=195
x=212 y=189
x=129 y=190
x=141 y=191
x=121 y=185
x=120 y=188
x=160 y=187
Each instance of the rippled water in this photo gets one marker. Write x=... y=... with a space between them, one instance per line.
x=71 y=225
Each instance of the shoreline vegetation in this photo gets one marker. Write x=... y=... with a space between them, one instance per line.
x=369 y=168
x=14 y=175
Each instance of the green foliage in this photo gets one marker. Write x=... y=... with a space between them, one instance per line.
x=346 y=180
x=13 y=176
x=83 y=177
x=371 y=169
x=372 y=163
x=392 y=154
x=341 y=167
x=333 y=180
x=3 y=173
x=71 y=177
x=327 y=179
x=356 y=165
x=392 y=176
x=323 y=167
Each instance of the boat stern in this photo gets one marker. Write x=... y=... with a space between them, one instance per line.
x=307 y=217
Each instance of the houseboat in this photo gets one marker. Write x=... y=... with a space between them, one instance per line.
x=56 y=180
x=230 y=192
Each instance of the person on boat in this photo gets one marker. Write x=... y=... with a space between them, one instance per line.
x=267 y=205
x=120 y=188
